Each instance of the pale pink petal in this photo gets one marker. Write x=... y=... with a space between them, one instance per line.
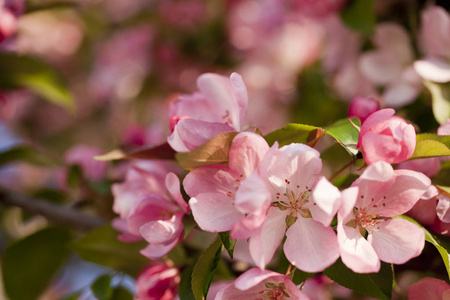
x=253 y=277
x=253 y=196
x=125 y=236
x=240 y=92
x=378 y=147
x=356 y=252
x=210 y=179
x=246 y=152
x=162 y=231
x=349 y=197
x=188 y=134
x=263 y=244
x=444 y=129
x=156 y=251
x=173 y=186
x=433 y=69
x=374 y=119
x=400 y=94
x=380 y=67
x=443 y=208
x=394 y=39
x=218 y=90
x=397 y=240
x=435 y=31
x=326 y=200
x=429 y=288
x=214 y=212
x=409 y=186
x=310 y=246
x=428 y=166
x=247 y=226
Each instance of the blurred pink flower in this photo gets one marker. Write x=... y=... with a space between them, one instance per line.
x=429 y=288
x=318 y=8
x=435 y=38
x=444 y=129
x=385 y=137
x=261 y=284
x=379 y=194
x=83 y=156
x=390 y=65
x=219 y=106
x=362 y=107
x=158 y=282
x=8 y=23
x=428 y=166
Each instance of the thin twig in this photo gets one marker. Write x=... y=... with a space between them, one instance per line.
x=55 y=213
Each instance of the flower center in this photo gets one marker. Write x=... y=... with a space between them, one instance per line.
x=274 y=292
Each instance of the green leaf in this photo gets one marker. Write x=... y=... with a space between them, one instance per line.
x=204 y=270
x=215 y=151
x=359 y=15
x=73 y=296
x=377 y=285
x=19 y=71
x=431 y=145
x=102 y=287
x=121 y=293
x=101 y=246
x=74 y=176
x=163 y=151
x=185 y=286
x=178 y=255
x=227 y=242
x=440 y=100
x=441 y=243
x=26 y=153
x=29 y=264
x=344 y=132
x=291 y=133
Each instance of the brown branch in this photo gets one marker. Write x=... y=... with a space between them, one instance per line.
x=55 y=213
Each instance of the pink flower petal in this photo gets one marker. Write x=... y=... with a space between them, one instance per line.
x=326 y=200
x=374 y=119
x=380 y=67
x=253 y=196
x=156 y=251
x=240 y=93
x=377 y=147
x=397 y=241
x=310 y=246
x=162 y=231
x=433 y=69
x=443 y=208
x=262 y=245
x=214 y=212
x=173 y=186
x=209 y=179
x=428 y=288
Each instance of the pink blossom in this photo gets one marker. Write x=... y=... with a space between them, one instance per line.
x=363 y=107
x=231 y=197
x=303 y=206
x=385 y=137
x=318 y=8
x=379 y=194
x=158 y=282
x=429 y=288
x=435 y=38
x=83 y=156
x=219 y=106
x=261 y=284
x=428 y=166
x=444 y=129
x=151 y=207
x=390 y=65
x=10 y=10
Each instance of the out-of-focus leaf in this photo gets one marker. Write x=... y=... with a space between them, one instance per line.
x=345 y=181
x=442 y=178
x=377 y=285
x=359 y=15
x=215 y=151
x=444 y=190
x=73 y=296
x=344 y=132
x=33 y=6
x=178 y=255
x=20 y=71
x=228 y=242
x=121 y=293
x=291 y=133
x=204 y=270
x=431 y=145
x=101 y=246
x=298 y=277
x=440 y=99
x=75 y=176
x=442 y=243
x=29 y=264
x=163 y=151
x=101 y=288
x=26 y=153
x=185 y=286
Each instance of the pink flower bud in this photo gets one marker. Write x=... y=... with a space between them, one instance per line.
x=157 y=282
x=385 y=137
x=83 y=156
x=363 y=107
